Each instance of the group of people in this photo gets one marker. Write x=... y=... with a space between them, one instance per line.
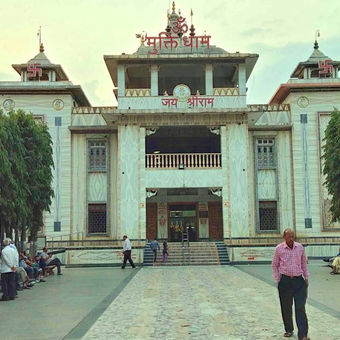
x=154 y=245
x=19 y=271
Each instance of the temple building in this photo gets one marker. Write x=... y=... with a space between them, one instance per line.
x=183 y=155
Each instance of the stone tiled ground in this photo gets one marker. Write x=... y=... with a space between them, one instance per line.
x=210 y=302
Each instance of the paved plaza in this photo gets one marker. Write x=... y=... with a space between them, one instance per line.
x=207 y=302
x=197 y=302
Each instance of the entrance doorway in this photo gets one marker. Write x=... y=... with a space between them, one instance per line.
x=215 y=221
x=183 y=217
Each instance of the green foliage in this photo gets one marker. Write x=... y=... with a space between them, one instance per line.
x=331 y=157
x=26 y=165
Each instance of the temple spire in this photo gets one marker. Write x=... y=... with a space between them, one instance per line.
x=317 y=35
x=39 y=35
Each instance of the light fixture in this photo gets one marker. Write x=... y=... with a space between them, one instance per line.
x=156 y=152
x=181 y=166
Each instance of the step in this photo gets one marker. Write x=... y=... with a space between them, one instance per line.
x=196 y=253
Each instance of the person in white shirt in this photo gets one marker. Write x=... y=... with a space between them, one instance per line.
x=9 y=262
x=127 y=252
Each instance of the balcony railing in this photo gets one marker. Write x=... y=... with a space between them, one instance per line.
x=226 y=91
x=138 y=92
x=183 y=160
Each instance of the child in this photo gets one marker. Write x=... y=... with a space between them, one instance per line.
x=165 y=251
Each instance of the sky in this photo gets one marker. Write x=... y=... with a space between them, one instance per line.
x=77 y=33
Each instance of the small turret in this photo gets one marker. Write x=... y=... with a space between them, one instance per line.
x=40 y=68
x=318 y=65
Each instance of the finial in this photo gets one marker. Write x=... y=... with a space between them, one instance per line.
x=41 y=49
x=317 y=35
x=39 y=35
x=192 y=31
x=191 y=15
x=142 y=38
x=179 y=12
x=173 y=7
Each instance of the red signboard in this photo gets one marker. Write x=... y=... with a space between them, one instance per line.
x=168 y=41
x=193 y=101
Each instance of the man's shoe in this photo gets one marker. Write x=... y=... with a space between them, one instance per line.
x=123 y=267
x=42 y=280
x=305 y=338
x=60 y=274
x=288 y=334
x=4 y=298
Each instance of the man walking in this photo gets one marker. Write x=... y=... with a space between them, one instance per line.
x=290 y=272
x=154 y=245
x=10 y=260
x=127 y=252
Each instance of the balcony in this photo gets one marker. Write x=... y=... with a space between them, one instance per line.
x=175 y=161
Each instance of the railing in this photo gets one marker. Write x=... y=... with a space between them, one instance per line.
x=226 y=91
x=183 y=160
x=56 y=241
x=138 y=92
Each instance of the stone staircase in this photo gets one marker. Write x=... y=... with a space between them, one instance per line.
x=197 y=253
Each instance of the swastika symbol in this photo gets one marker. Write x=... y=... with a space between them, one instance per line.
x=325 y=66
x=32 y=70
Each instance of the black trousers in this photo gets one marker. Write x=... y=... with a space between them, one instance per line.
x=127 y=257
x=55 y=262
x=154 y=255
x=8 y=285
x=293 y=289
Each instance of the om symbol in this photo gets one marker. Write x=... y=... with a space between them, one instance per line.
x=180 y=26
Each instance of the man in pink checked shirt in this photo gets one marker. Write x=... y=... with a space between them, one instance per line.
x=290 y=272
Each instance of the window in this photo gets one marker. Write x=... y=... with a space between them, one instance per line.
x=39 y=119
x=265 y=152
x=97 y=218
x=97 y=155
x=268 y=215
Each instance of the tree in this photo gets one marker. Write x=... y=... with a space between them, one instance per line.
x=26 y=165
x=331 y=168
x=7 y=181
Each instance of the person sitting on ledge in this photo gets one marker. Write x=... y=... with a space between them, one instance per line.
x=331 y=259
x=47 y=257
x=54 y=262
x=336 y=264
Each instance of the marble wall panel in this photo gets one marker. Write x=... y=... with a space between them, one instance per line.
x=79 y=209
x=113 y=185
x=128 y=152
x=285 y=180
x=97 y=187
x=101 y=256
x=266 y=184
x=143 y=103
x=184 y=178
x=238 y=162
x=318 y=102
